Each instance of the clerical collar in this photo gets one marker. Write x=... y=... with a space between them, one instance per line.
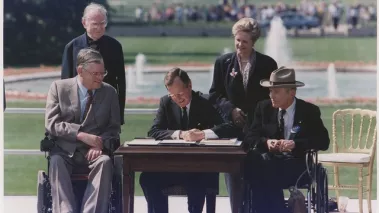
x=91 y=41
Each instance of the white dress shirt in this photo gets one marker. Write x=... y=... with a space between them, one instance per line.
x=209 y=134
x=288 y=119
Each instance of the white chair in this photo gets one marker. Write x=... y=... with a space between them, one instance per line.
x=354 y=145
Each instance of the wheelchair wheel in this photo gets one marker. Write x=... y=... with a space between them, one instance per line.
x=44 y=200
x=322 y=190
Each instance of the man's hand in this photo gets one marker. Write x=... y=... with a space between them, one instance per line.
x=273 y=145
x=91 y=140
x=286 y=145
x=93 y=153
x=193 y=135
x=239 y=117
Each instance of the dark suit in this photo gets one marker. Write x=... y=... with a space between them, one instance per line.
x=269 y=173
x=202 y=116
x=228 y=92
x=113 y=56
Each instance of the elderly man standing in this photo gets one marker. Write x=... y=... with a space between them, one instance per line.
x=283 y=129
x=94 y=21
x=82 y=113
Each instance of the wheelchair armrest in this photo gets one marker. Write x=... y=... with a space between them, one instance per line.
x=47 y=143
x=111 y=145
x=311 y=156
x=311 y=162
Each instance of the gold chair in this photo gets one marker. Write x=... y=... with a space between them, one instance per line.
x=354 y=145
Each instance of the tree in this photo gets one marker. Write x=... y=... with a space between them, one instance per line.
x=36 y=31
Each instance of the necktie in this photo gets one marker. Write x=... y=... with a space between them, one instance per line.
x=88 y=104
x=184 y=120
x=281 y=123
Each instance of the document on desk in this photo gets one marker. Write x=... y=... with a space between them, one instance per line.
x=221 y=142
x=142 y=142
x=177 y=142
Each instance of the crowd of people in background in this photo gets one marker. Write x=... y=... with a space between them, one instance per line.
x=326 y=12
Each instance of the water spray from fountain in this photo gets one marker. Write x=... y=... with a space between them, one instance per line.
x=226 y=50
x=332 y=82
x=140 y=67
x=132 y=86
x=276 y=43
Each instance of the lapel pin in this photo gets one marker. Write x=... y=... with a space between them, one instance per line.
x=295 y=129
x=233 y=73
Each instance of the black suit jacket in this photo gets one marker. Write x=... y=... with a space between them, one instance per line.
x=202 y=115
x=311 y=134
x=113 y=56
x=227 y=92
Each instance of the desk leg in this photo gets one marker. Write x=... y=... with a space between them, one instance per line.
x=131 y=198
x=236 y=191
x=128 y=187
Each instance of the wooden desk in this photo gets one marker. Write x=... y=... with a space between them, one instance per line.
x=176 y=159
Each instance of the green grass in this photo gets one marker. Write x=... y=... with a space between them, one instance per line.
x=20 y=172
x=162 y=50
x=26 y=104
x=42 y=104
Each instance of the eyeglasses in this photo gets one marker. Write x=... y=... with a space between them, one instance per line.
x=97 y=25
x=98 y=74
x=181 y=94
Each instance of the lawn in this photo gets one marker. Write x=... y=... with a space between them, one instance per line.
x=21 y=171
x=162 y=50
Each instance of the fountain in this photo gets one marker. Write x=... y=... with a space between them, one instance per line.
x=226 y=50
x=140 y=65
x=332 y=82
x=276 y=43
x=132 y=86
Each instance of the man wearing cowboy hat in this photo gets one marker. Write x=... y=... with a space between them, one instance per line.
x=283 y=128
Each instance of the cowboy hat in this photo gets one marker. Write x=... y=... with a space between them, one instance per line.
x=282 y=77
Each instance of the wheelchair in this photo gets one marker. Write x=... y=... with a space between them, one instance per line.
x=314 y=180
x=79 y=181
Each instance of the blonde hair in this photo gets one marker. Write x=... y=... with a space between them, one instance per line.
x=95 y=7
x=247 y=25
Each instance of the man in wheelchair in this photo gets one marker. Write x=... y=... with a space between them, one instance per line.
x=82 y=115
x=283 y=129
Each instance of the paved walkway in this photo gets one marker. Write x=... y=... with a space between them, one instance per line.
x=23 y=204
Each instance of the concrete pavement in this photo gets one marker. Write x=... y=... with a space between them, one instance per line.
x=28 y=204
